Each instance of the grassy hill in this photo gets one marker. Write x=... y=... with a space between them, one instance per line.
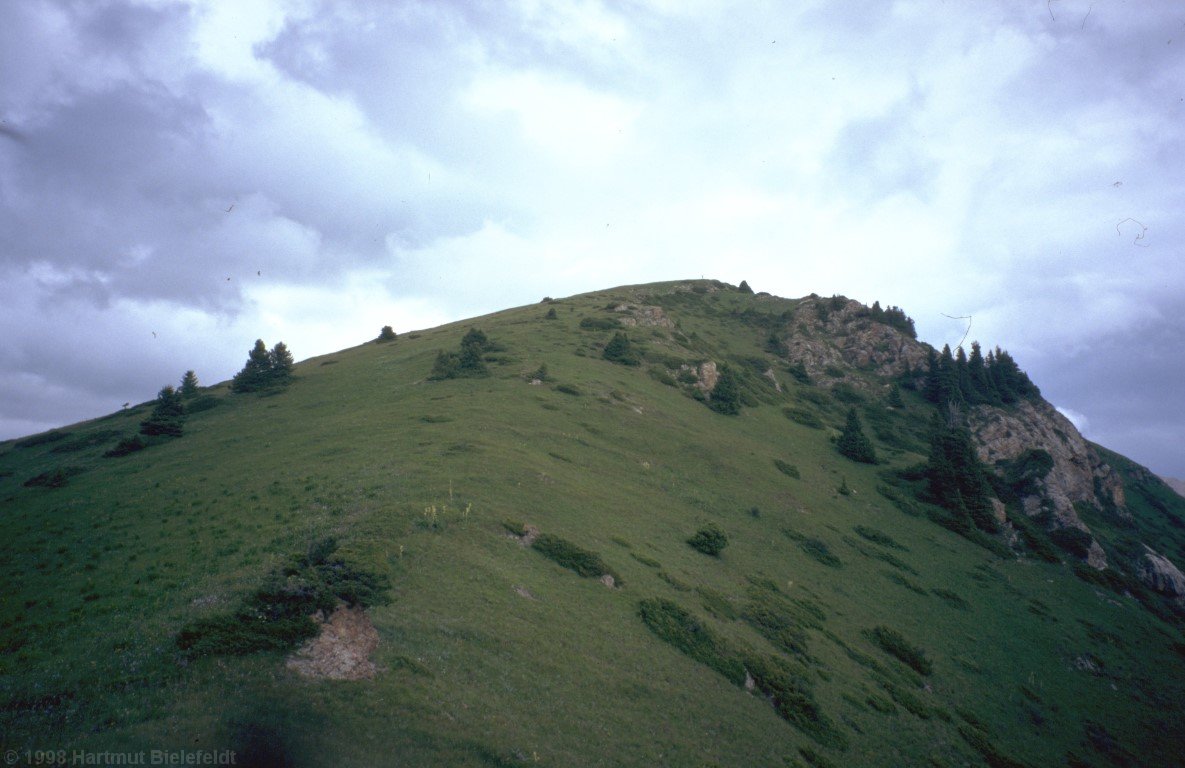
x=837 y=627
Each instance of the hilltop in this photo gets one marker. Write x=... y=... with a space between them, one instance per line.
x=668 y=524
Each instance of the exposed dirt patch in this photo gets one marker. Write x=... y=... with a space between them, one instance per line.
x=341 y=651
x=524 y=592
x=530 y=533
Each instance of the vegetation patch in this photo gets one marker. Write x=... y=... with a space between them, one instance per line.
x=126 y=446
x=45 y=438
x=580 y=561
x=53 y=478
x=816 y=548
x=802 y=416
x=83 y=442
x=894 y=643
x=953 y=599
x=789 y=470
x=278 y=615
x=600 y=323
x=710 y=540
x=878 y=537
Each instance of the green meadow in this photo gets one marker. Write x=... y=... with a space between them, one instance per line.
x=835 y=628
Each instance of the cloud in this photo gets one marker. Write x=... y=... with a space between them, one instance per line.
x=419 y=162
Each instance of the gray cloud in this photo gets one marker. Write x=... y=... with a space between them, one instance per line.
x=348 y=165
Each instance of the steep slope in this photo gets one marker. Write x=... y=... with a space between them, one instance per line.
x=838 y=626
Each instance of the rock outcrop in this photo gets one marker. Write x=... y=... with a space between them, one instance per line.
x=830 y=337
x=1159 y=573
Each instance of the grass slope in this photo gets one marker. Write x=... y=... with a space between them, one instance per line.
x=870 y=636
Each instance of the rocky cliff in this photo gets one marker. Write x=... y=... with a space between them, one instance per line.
x=836 y=338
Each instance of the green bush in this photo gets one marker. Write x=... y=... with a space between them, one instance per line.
x=468 y=362
x=802 y=416
x=277 y=615
x=789 y=470
x=566 y=554
x=878 y=537
x=894 y=644
x=600 y=323
x=126 y=446
x=679 y=628
x=54 y=478
x=710 y=540
x=726 y=395
x=386 y=334
x=83 y=442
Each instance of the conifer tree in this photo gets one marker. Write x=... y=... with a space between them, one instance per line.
x=726 y=395
x=280 y=362
x=744 y=287
x=853 y=443
x=167 y=415
x=256 y=372
x=189 y=384
x=620 y=350
x=894 y=399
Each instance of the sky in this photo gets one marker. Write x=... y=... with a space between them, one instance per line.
x=178 y=179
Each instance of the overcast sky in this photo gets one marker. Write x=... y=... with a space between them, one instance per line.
x=178 y=179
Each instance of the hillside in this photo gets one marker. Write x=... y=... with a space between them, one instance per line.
x=519 y=541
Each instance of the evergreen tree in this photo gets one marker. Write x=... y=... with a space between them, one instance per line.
x=280 y=364
x=620 y=350
x=853 y=443
x=744 y=287
x=981 y=386
x=894 y=399
x=468 y=363
x=167 y=415
x=387 y=334
x=189 y=384
x=256 y=374
x=726 y=395
x=957 y=480
x=963 y=377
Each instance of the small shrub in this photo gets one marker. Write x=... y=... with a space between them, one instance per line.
x=952 y=599
x=649 y=562
x=568 y=389
x=44 y=438
x=600 y=323
x=568 y=555
x=83 y=442
x=894 y=644
x=54 y=478
x=551 y=314
x=126 y=446
x=789 y=470
x=710 y=540
x=661 y=375
x=878 y=537
x=386 y=334
x=816 y=548
x=802 y=416
x=672 y=624
x=726 y=395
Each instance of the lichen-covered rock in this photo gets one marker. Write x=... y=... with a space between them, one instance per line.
x=643 y=315
x=1159 y=573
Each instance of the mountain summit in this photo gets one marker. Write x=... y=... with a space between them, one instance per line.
x=669 y=524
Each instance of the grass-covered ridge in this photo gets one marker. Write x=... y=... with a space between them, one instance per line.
x=835 y=628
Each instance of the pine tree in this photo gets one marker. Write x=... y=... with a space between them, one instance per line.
x=280 y=364
x=957 y=480
x=981 y=385
x=167 y=415
x=894 y=399
x=256 y=374
x=189 y=384
x=853 y=443
x=726 y=395
x=621 y=350
x=744 y=287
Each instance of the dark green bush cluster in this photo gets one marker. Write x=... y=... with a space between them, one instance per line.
x=600 y=323
x=386 y=334
x=710 y=540
x=277 y=616
x=126 y=446
x=53 y=478
x=894 y=644
x=621 y=350
x=468 y=363
x=816 y=548
x=789 y=470
x=786 y=687
x=726 y=395
x=574 y=558
x=878 y=537
x=264 y=368
x=44 y=438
